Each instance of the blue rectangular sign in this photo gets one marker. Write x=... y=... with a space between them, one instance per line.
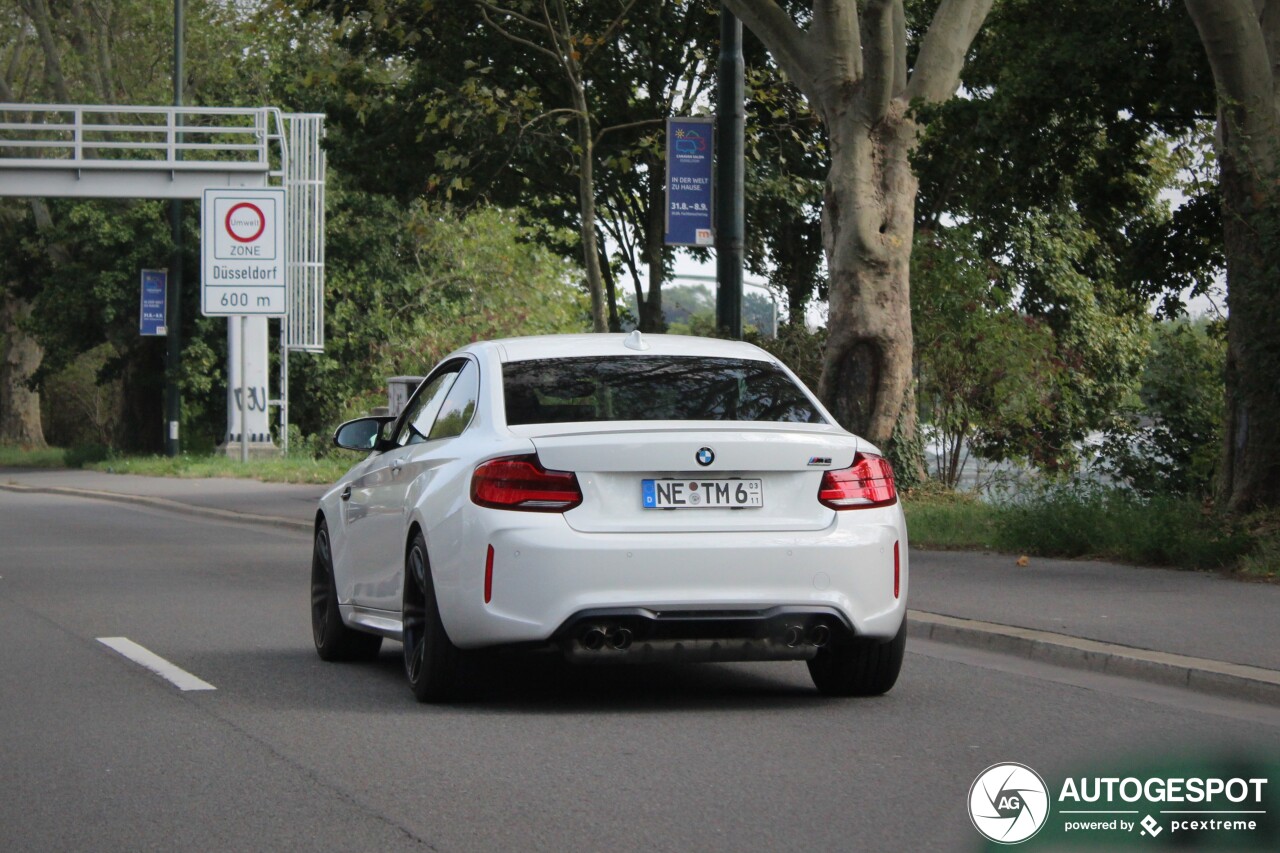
x=151 y=320
x=689 y=170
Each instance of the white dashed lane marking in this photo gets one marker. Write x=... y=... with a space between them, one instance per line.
x=175 y=675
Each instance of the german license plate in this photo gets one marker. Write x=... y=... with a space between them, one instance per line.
x=701 y=494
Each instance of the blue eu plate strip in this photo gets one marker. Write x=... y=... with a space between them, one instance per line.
x=649 y=492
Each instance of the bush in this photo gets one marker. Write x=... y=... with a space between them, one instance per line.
x=1089 y=520
x=1171 y=443
x=86 y=454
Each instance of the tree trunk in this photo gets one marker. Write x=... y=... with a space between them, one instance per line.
x=587 y=203
x=867 y=223
x=19 y=405
x=850 y=59
x=1242 y=41
x=1250 y=475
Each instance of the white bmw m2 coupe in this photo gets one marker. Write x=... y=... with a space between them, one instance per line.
x=623 y=498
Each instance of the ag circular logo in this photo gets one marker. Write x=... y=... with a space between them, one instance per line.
x=705 y=456
x=1008 y=803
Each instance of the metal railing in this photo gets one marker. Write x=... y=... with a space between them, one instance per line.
x=304 y=176
x=47 y=136
x=176 y=152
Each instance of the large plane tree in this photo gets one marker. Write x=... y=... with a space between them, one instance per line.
x=853 y=62
x=1242 y=40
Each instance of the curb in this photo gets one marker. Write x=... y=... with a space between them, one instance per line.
x=1227 y=680
x=165 y=504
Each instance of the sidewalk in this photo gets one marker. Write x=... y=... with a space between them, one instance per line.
x=1174 y=627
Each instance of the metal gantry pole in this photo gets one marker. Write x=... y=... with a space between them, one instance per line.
x=730 y=216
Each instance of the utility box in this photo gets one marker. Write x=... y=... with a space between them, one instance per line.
x=399 y=389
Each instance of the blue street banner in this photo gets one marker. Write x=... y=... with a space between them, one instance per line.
x=151 y=321
x=689 y=169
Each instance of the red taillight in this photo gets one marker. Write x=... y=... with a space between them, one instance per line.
x=869 y=483
x=520 y=482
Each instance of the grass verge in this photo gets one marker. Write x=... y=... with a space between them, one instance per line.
x=12 y=456
x=1098 y=523
x=291 y=469
x=269 y=470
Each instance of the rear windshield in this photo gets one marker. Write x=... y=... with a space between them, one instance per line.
x=649 y=388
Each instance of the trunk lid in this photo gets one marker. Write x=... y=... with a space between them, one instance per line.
x=612 y=461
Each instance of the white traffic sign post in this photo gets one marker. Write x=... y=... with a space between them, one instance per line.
x=242 y=258
x=242 y=263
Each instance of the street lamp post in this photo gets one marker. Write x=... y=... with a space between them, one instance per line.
x=173 y=355
x=730 y=216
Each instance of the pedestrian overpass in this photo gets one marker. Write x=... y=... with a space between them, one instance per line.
x=90 y=151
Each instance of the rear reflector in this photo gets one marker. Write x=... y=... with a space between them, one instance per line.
x=521 y=483
x=868 y=483
x=488 y=576
x=897 y=570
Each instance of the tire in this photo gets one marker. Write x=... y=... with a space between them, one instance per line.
x=431 y=661
x=859 y=666
x=334 y=640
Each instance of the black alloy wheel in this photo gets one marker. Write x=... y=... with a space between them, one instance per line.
x=334 y=640
x=859 y=666
x=431 y=660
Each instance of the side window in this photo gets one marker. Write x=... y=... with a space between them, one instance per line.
x=422 y=409
x=459 y=406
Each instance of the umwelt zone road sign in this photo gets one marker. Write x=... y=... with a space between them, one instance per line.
x=242 y=257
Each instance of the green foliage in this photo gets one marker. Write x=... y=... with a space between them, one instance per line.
x=1081 y=519
x=799 y=348
x=406 y=286
x=1171 y=441
x=1012 y=382
x=1263 y=560
x=1091 y=106
x=78 y=406
x=786 y=164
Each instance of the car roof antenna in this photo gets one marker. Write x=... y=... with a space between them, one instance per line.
x=634 y=341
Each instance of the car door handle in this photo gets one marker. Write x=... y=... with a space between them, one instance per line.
x=346 y=493
x=396 y=465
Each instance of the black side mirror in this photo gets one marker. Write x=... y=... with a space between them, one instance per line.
x=361 y=433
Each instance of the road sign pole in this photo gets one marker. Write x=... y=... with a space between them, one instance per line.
x=244 y=389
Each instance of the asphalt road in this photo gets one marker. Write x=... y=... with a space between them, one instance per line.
x=98 y=753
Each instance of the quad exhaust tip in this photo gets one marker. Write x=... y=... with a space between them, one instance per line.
x=818 y=635
x=597 y=637
x=593 y=639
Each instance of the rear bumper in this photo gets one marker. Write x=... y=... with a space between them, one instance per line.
x=548 y=578
x=640 y=635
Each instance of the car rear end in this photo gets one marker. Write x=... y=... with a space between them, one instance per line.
x=689 y=503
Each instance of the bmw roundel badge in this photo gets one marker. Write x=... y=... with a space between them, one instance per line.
x=705 y=456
